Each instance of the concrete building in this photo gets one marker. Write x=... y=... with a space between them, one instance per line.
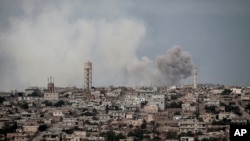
x=51 y=86
x=195 y=78
x=87 y=75
x=51 y=95
x=192 y=125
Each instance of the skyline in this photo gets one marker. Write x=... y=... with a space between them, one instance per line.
x=40 y=39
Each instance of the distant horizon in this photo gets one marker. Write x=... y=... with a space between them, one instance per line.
x=129 y=43
x=45 y=87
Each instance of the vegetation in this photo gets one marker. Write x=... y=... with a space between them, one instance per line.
x=136 y=133
x=144 y=124
x=177 y=113
x=226 y=92
x=175 y=105
x=222 y=122
x=248 y=106
x=2 y=99
x=36 y=93
x=171 y=135
x=59 y=103
x=8 y=128
x=48 y=103
x=42 y=127
x=211 y=109
x=25 y=106
x=112 y=136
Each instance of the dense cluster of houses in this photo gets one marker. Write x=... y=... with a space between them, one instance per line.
x=122 y=113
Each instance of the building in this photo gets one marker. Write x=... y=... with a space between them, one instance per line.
x=51 y=95
x=192 y=125
x=195 y=78
x=87 y=75
x=51 y=86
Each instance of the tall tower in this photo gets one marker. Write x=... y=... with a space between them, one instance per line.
x=51 y=86
x=87 y=75
x=195 y=77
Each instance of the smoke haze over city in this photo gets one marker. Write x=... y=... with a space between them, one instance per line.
x=127 y=44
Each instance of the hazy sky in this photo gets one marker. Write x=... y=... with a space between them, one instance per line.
x=123 y=39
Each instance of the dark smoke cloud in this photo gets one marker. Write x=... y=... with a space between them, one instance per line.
x=174 y=66
x=168 y=69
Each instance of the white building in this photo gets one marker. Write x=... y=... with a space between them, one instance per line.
x=51 y=96
x=192 y=125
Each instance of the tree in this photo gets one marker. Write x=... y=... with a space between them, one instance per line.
x=112 y=136
x=144 y=124
x=59 y=103
x=25 y=106
x=2 y=99
x=42 y=127
x=107 y=109
x=94 y=111
x=171 y=135
x=177 y=113
x=130 y=126
x=48 y=103
x=248 y=106
x=226 y=92
x=137 y=133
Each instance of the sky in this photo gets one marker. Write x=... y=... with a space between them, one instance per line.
x=129 y=42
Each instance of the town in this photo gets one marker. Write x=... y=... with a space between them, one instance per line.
x=202 y=112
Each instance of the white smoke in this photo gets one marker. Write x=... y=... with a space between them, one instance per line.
x=51 y=44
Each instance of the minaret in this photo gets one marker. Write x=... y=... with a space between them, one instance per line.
x=88 y=76
x=51 y=86
x=195 y=78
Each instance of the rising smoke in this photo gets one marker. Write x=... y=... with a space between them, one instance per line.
x=174 y=66
x=168 y=69
x=33 y=48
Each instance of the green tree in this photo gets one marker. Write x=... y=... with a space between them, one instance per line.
x=144 y=124
x=248 y=106
x=171 y=135
x=112 y=136
x=25 y=106
x=226 y=92
x=2 y=99
x=42 y=127
x=47 y=103
x=59 y=103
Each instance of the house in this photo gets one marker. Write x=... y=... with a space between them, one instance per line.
x=150 y=109
x=188 y=107
x=130 y=115
x=51 y=96
x=245 y=96
x=192 y=125
x=52 y=136
x=71 y=137
x=211 y=102
x=187 y=139
x=208 y=117
x=103 y=117
x=69 y=122
x=17 y=137
x=117 y=115
x=30 y=128
x=81 y=134
x=226 y=115
x=134 y=122
x=30 y=90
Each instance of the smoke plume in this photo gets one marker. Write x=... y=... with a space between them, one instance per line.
x=54 y=42
x=174 y=66
x=168 y=69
